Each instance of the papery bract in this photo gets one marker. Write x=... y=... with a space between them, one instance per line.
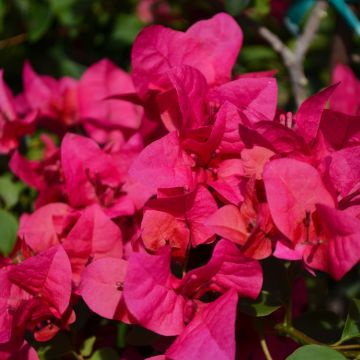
x=93 y=236
x=163 y=164
x=47 y=275
x=189 y=210
x=91 y=176
x=345 y=98
x=211 y=332
x=35 y=296
x=293 y=188
x=102 y=287
x=340 y=130
x=183 y=106
x=338 y=247
x=227 y=269
x=158 y=49
x=255 y=97
x=56 y=100
x=12 y=127
x=13 y=352
x=309 y=114
x=344 y=169
x=99 y=82
x=149 y=295
x=45 y=227
x=250 y=225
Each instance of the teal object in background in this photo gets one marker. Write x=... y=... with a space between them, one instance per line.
x=296 y=14
x=348 y=15
x=299 y=8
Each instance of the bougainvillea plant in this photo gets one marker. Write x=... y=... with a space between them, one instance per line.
x=179 y=214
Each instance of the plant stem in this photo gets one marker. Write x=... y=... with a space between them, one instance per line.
x=346 y=347
x=186 y=260
x=265 y=348
x=12 y=41
x=288 y=308
x=296 y=335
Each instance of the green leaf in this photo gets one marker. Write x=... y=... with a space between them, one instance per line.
x=126 y=28
x=265 y=306
x=39 y=20
x=65 y=11
x=8 y=230
x=105 y=354
x=10 y=191
x=87 y=347
x=234 y=7
x=317 y=352
x=121 y=335
x=352 y=325
x=2 y=14
x=67 y=66
x=262 y=7
x=258 y=53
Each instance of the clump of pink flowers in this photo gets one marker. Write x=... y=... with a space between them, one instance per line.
x=168 y=188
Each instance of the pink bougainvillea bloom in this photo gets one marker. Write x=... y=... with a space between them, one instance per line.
x=101 y=287
x=227 y=269
x=186 y=212
x=56 y=100
x=163 y=164
x=336 y=249
x=159 y=228
x=340 y=130
x=99 y=113
x=255 y=97
x=12 y=351
x=345 y=98
x=86 y=235
x=230 y=224
x=12 y=127
x=44 y=175
x=253 y=161
x=182 y=106
x=228 y=181
x=273 y=136
x=164 y=303
x=36 y=295
x=187 y=102
x=93 y=236
x=309 y=114
x=150 y=295
x=91 y=176
x=211 y=332
x=344 y=169
x=46 y=226
x=232 y=117
x=46 y=275
x=250 y=225
x=157 y=49
x=293 y=188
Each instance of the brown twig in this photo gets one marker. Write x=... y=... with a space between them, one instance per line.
x=12 y=41
x=294 y=59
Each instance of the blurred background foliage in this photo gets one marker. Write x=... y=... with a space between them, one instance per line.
x=62 y=37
